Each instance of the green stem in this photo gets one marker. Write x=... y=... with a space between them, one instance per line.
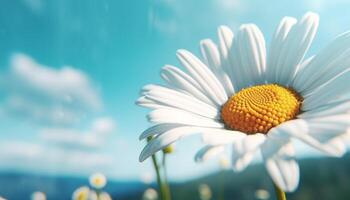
x=221 y=195
x=166 y=183
x=161 y=186
x=280 y=195
x=98 y=192
x=159 y=180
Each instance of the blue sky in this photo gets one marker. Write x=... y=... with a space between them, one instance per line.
x=108 y=50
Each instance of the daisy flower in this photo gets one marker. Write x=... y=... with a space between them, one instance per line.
x=84 y=193
x=38 y=196
x=98 y=180
x=262 y=194
x=204 y=192
x=239 y=95
x=150 y=194
x=104 y=196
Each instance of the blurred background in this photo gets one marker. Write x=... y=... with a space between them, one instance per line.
x=71 y=70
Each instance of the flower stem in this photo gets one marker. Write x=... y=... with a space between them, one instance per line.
x=166 y=183
x=159 y=179
x=221 y=195
x=161 y=186
x=280 y=195
x=98 y=192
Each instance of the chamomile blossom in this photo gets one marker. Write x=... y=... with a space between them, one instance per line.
x=38 y=196
x=240 y=95
x=204 y=192
x=262 y=194
x=104 y=196
x=84 y=193
x=150 y=194
x=98 y=180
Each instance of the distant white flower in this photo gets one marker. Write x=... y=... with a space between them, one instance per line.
x=104 y=196
x=84 y=193
x=150 y=194
x=38 y=196
x=242 y=97
x=93 y=195
x=204 y=192
x=98 y=180
x=1 y=198
x=262 y=194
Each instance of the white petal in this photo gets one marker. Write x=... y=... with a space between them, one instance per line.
x=244 y=150
x=327 y=128
x=208 y=152
x=337 y=145
x=157 y=130
x=299 y=129
x=169 y=136
x=203 y=76
x=331 y=61
x=240 y=162
x=295 y=47
x=336 y=67
x=165 y=139
x=211 y=56
x=332 y=91
x=346 y=137
x=147 y=103
x=281 y=165
x=225 y=36
x=324 y=132
x=175 y=116
x=341 y=119
x=221 y=136
x=301 y=66
x=248 y=57
x=179 y=79
x=331 y=109
x=175 y=99
x=277 y=42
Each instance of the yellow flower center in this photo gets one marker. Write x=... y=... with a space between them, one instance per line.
x=97 y=181
x=259 y=108
x=81 y=196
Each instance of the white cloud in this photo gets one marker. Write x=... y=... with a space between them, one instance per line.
x=92 y=138
x=62 y=150
x=47 y=95
x=104 y=125
x=34 y=157
x=54 y=100
x=70 y=138
x=18 y=149
x=66 y=84
x=75 y=160
x=30 y=108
